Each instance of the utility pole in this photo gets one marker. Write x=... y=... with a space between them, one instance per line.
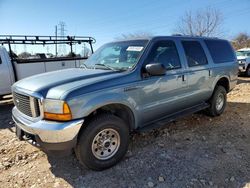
x=24 y=48
x=15 y=51
x=56 y=39
x=62 y=31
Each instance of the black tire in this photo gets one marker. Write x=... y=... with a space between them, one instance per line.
x=248 y=71
x=216 y=110
x=84 y=149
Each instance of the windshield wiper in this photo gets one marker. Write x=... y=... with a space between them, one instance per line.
x=83 y=65
x=106 y=66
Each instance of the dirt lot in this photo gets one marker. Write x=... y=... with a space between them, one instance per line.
x=197 y=151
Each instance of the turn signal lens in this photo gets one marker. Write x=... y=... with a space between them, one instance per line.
x=65 y=116
x=66 y=109
x=58 y=117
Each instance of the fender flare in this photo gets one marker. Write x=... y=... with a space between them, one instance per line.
x=218 y=78
x=102 y=100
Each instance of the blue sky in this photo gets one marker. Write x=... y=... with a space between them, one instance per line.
x=106 y=20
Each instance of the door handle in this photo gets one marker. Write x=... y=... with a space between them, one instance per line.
x=209 y=73
x=183 y=77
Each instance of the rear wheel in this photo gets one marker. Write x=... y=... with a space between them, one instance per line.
x=103 y=142
x=218 y=101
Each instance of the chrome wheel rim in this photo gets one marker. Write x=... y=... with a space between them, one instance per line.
x=220 y=102
x=106 y=144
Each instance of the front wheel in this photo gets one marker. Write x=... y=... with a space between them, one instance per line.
x=218 y=101
x=103 y=142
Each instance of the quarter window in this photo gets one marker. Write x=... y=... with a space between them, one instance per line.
x=194 y=53
x=165 y=52
x=220 y=50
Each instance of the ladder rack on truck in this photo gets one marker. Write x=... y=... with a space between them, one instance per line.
x=14 y=68
x=45 y=40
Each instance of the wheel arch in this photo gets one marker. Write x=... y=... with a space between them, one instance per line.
x=223 y=81
x=118 y=109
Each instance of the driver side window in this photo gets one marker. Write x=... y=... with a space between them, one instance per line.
x=165 y=52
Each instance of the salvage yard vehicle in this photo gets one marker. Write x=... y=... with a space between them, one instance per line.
x=243 y=57
x=125 y=86
x=13 y=69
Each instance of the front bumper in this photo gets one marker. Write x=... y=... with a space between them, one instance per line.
x=242 y=67
x=50 y=135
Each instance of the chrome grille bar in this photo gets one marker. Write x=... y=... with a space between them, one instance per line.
x=27 y=105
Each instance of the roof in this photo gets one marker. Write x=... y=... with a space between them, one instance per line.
x=169 y=36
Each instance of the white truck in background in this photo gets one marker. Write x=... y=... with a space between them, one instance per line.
x=14 y=69
x=243 y=57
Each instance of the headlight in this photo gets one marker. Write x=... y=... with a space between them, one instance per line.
x=243 y=61
x=56 y=110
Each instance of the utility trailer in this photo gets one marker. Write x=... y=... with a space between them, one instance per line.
x=13 y=68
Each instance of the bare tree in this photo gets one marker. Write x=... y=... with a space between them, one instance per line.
x=136 y=35
x=242 y=40
x=24 y=55
x=207 y=22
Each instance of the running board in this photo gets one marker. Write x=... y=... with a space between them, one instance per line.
x=175 y=116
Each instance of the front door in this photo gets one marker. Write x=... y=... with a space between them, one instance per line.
x=162 y=95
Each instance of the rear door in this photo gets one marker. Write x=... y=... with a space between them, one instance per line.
x=198 y=71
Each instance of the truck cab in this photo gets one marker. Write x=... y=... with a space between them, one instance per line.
x=6 y=73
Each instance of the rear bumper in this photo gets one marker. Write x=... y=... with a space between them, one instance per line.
x=49 y=135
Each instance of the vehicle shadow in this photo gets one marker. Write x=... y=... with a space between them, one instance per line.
x=5 y=116
x=192 y=151
x=243 y=81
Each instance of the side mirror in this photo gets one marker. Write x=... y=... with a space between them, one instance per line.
x=155 y=69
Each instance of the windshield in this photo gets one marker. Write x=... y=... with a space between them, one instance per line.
x=243 y=53
x=117 y=55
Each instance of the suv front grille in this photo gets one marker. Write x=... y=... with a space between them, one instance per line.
x=27 y=105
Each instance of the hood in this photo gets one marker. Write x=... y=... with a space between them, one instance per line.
x=55 y=84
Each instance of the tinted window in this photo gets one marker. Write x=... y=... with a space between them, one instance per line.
x=194 y=53
x=0 y=60
x=220 y=51
x=165 y=52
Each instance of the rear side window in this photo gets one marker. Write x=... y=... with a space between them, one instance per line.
x=220 y=51
x=194 y=53
x=165 y=52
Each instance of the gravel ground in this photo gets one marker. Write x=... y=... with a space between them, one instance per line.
x=196 y=151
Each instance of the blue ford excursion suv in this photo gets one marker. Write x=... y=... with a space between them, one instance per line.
x=124 y=86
